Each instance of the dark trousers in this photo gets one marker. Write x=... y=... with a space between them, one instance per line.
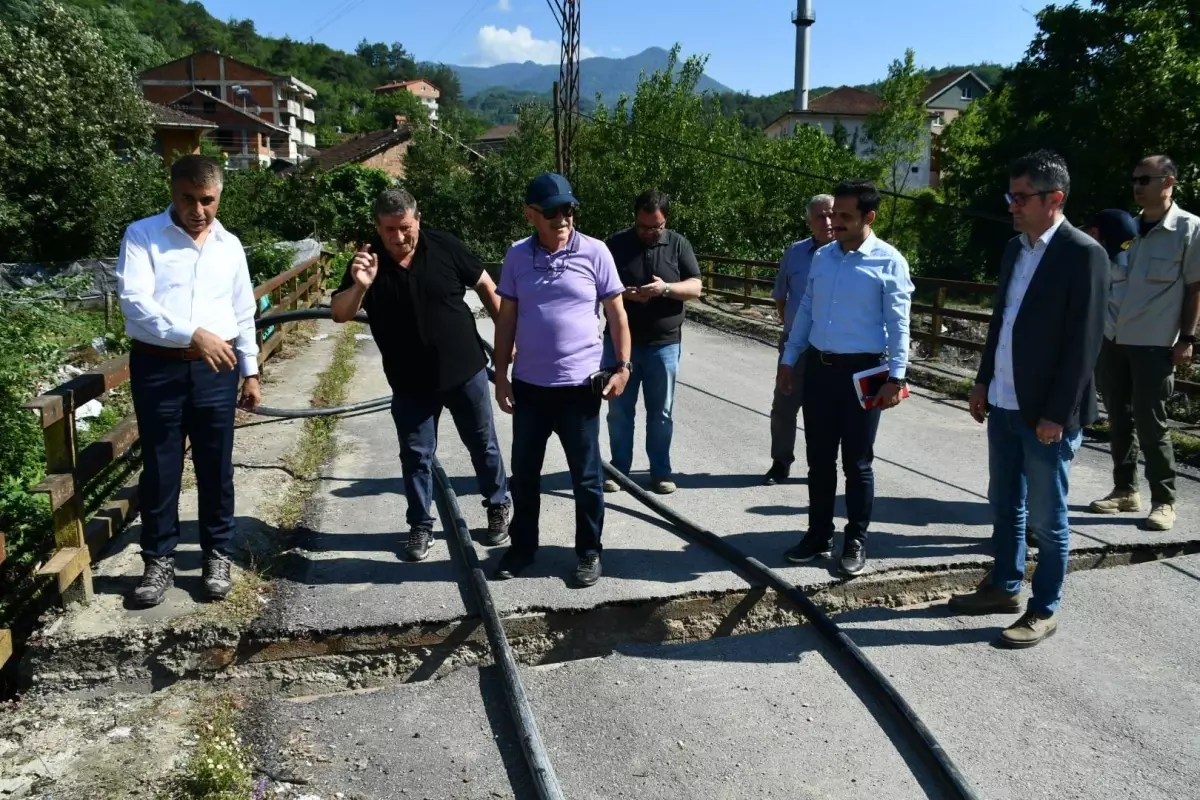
x=573 y=413
x=172 y=400
x=785 y=408
x=833 y=418
x=1136 y=383
x=416 y=417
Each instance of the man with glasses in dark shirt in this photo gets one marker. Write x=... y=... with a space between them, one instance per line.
x=660 y=273
x=411 y=280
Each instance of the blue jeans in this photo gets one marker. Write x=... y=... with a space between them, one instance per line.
x=655 y=367
x=1028 y=485
x=416 y=417
x=174 y=399
x=573 y=413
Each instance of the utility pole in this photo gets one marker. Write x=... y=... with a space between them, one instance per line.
x=566 y=90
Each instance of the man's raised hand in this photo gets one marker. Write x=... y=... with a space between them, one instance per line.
x=364 y=267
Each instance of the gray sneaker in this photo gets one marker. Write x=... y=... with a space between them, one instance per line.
x=217 y=581
x=662 y=485
x=611 y=486
x=158 y=577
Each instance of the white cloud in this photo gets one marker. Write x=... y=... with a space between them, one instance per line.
x=502 y=46
x=504 y=5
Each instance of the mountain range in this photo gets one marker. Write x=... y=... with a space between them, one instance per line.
x=610 y=77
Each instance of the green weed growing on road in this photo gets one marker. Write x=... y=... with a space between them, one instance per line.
x=220 y=768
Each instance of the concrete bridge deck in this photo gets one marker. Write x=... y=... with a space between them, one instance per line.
x=1105 y=709
x=674 y=677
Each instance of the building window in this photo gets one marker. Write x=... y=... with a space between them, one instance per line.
x=939 y=118
x=916 y=170
x=966 y=93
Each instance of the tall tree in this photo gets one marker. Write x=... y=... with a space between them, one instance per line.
x=1103 y=85
x=899 y=130
x=67 y=103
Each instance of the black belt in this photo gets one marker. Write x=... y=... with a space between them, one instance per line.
x=849 y=359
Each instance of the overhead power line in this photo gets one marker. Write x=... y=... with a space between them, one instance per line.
x=804 y=174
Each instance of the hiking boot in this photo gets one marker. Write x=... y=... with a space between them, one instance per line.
x=662 y=485
x=497 y=532
x=1117 y=502
x=158 y=577
x=1162 y=517
x=512 y=563
x=854 y=557
x=611 y=486
x=588 y=571
x=417 y=547
x=217 y=581
x=988 y=598
x=778 y=473
x=1030 y=629
x=810 y=547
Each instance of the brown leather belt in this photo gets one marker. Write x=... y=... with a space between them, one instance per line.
x=177 y=353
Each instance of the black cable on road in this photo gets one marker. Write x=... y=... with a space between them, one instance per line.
x=531 y=742
x=514 y=692
x=939 y=759
x=544 y=777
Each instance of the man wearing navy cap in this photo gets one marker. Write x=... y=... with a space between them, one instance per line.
x=552 y=285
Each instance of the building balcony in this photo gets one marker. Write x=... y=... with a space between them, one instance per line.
x=292 y=107
x=308 y=139
x=307 y=115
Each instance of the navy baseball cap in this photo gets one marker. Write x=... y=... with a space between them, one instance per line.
x=549 y=191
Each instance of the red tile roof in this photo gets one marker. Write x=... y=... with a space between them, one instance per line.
x=846 y=101
x=497 y=133
x=358 y=148
x=167 y=117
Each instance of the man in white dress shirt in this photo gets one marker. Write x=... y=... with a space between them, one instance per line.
x=185 y=291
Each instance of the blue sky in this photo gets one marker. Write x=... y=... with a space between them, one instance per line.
x=750 y=43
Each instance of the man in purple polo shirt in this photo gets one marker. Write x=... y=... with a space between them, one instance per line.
x=552 y=286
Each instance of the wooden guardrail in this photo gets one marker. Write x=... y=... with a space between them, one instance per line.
x=938 y=311
x=72 y=473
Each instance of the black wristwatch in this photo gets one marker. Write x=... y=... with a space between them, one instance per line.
x=901 y=382
x=623 y=364
x=1189 y=339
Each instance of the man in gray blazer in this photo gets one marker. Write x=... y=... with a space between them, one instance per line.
x=1035 y=390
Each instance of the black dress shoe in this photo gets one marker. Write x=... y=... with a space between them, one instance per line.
x=512 y=563
x=778 y=473
x=588 y=571
x=418 y=543
x=854 y=557
x=811 y=546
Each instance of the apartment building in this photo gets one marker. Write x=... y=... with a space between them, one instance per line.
x=261 y=116
x=424 y=91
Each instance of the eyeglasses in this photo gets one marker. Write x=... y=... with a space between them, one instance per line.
x=1144 y=180
x=567 y=210
x=651 y=228
x=1020 y=199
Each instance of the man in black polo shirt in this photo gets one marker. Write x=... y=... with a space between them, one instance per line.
x=411 y=282
x=660 y=273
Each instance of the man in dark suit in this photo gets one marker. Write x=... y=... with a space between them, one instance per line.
x=1035 y=390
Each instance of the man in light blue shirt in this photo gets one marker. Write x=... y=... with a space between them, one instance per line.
x=790 y=284
x=853 y=316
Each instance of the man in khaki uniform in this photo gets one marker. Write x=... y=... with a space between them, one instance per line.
x=1156 y=302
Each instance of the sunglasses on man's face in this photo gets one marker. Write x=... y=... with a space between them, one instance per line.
x=558 y=211
x=1144 y=180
